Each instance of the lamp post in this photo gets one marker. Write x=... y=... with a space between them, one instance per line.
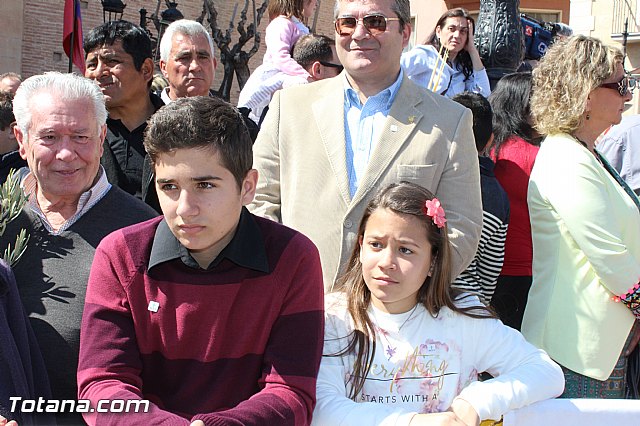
x=160 y=23
x=499 y=38
x=113 y=9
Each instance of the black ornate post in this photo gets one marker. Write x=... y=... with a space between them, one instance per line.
x=499 y=37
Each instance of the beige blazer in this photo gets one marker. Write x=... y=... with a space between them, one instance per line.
x=300 y=155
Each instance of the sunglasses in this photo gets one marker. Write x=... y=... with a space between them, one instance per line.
x=330 y=65
x=374 y=23
x=624 y=86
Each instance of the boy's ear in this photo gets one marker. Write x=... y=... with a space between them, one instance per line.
x=12 y=133
x=487 y=148
x=248 y=190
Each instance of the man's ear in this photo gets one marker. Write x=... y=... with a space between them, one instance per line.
x=248 y=189
x=316 y=70
x=22 y=142
x=147 y=69
x=163 y=68
x=103 y=135
x=406 y=34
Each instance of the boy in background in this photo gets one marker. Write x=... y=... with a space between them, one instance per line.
x=482 y=274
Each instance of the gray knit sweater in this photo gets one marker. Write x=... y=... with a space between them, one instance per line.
x=52 y=277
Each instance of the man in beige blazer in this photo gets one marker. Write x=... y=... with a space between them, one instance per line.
x=312 y=179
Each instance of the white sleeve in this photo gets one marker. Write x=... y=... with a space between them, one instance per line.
x=419 y=63
x=333 y=406
x=522 y=373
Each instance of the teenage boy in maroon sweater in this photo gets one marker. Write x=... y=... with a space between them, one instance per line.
x=212 y=314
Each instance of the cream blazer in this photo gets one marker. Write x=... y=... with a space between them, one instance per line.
x=300 y=155
x=586 y=249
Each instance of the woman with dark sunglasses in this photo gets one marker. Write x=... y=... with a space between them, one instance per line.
x=585 y=222
x=448 y=62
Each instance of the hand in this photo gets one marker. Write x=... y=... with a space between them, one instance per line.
x=195 y=423
x=437 y=419
x=465 y=411
x=634 y=339
x=470 y=46
x=5 y=422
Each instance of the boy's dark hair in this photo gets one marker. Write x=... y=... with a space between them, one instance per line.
x=202 y=122
x=135 y=40
x=310 y=48
x=6 y=109
x=482 y=116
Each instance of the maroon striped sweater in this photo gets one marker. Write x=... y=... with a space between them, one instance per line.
x=230 y=346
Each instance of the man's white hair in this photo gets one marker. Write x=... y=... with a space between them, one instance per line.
x=66 y=87
x=183 y=26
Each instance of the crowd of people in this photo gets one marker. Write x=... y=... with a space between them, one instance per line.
x=372 y=236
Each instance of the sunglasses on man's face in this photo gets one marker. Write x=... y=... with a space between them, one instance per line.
x=330 y=65
x=374 y=23
x=624 y=86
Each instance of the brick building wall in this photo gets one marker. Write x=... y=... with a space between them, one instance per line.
x=43 y=21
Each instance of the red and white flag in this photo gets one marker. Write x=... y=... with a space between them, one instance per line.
x=72 y=33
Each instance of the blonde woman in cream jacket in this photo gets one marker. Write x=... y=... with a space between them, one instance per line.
x=585 y=225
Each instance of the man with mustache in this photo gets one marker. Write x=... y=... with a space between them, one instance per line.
x=119 y=58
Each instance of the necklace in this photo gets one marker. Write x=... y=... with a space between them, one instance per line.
x=390 y=351
x=583 y=143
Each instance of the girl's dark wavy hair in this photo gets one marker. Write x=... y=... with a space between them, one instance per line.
x=511 y=114
x=403 y=198
x=463 y=60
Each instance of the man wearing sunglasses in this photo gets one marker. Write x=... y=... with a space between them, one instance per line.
x=315 y=53
x=325 y=148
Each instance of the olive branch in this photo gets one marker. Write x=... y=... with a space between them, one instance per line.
x=12 y=200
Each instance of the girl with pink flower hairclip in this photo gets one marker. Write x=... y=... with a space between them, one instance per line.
x=402 y=346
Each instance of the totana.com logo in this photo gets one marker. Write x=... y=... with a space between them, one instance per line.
x=78 y=406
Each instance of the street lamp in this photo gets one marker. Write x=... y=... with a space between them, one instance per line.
x=114 y=9
x=171 y=14
x=160 y=23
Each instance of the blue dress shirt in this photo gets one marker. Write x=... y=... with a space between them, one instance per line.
x=363 y=126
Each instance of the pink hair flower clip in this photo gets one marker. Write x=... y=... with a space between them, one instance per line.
x=434 y=210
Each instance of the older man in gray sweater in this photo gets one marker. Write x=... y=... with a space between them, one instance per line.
x=72 y=206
